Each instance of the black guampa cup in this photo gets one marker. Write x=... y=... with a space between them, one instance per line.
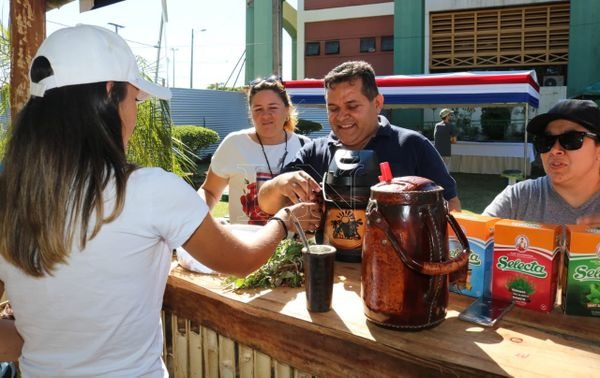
x=318 y=276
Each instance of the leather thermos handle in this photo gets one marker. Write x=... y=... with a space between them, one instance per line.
x=424 y=267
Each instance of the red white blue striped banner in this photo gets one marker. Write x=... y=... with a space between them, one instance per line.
x=460 y=88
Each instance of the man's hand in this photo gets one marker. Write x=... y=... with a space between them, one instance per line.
x=454 y=204
x=298 y=186
x=290 y=187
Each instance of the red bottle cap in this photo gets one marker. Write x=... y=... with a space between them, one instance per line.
x=386 y=172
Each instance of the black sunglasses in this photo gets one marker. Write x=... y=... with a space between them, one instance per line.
x=571 y=140
x=260 y=80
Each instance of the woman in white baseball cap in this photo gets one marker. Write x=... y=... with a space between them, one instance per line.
x=86 y=238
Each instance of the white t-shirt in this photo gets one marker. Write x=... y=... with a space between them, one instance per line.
x=99 y=314
x=240 y=160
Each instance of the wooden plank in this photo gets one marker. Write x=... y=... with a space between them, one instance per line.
x=277 y=323
x=195 y=350
x=180 y=346
x=210 y=346
x=262 y=365
x=168 y=341
x=301 y=374
x=246 y=361
x=282 y=370
x=227 y=362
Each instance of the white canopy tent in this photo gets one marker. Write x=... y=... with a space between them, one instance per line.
x=466 y=89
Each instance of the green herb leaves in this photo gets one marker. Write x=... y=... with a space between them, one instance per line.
x=284 y=268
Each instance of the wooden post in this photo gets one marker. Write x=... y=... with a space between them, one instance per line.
x=27 y=31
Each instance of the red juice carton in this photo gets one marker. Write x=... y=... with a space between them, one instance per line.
x=581 y=290
x=526 y=263
x=479 y=230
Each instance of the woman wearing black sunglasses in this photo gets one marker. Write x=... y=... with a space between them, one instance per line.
x=567 y=138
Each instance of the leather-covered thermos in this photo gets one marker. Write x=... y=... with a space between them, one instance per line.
x=406 y=262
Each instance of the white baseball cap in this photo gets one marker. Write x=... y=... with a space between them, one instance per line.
x=86 y=54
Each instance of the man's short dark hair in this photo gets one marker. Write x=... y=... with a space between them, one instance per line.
x=350 y=71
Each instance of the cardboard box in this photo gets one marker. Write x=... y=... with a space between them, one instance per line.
x=526 y=263
x=479 y=230
x=581 y=290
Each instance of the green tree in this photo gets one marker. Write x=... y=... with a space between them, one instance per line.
x=495 y=121
x=222 y=87
x=151 y=143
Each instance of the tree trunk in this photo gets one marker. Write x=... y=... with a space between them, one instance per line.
x=27 y=31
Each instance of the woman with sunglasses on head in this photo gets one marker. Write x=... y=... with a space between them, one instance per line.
x=247 y=158
x=567 y=138
x=86 y=238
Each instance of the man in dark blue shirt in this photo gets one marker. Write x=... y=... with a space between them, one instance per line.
x=353 y=107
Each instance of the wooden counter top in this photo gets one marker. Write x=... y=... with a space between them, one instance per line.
x=343 y=343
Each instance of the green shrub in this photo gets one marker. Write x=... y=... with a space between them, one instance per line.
x=428 y=130
x=306 y=127
x=495 y=121
x=195 y=137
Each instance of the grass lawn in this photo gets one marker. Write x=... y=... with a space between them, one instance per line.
x=220 y=210
x=475 y=191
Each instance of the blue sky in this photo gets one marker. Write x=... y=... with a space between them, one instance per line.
x=216 y=50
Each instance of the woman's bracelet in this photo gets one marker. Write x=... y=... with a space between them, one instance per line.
x=286 y=233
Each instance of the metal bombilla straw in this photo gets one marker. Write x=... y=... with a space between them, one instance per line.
x=299 y=229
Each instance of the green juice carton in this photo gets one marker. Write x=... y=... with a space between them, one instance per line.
x=479 y=230
x=526 y=263
x=581 y=290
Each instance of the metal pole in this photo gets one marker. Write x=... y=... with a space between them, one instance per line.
x=192 y=61
x=277 y=37
x=158 y=51
x=525 y=148
x=173 y=49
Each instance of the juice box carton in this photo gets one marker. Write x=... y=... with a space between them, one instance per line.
x=479 y=230
x=526 y=263
x=581 y=290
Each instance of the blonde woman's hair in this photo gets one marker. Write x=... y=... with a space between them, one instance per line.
x=275 y=85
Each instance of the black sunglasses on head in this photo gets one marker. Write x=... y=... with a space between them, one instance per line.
x=571 y=140
x=260 y=80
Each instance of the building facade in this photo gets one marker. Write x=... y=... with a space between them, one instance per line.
x=558 y=39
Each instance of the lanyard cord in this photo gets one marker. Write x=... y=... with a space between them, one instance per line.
x=265 y=154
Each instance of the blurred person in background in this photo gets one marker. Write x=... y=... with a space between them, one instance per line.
x=444 y=136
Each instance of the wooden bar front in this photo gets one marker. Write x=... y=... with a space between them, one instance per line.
x=343 y=343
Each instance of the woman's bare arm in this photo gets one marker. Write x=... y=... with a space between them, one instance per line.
x=212 y=188
x=216 y=247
